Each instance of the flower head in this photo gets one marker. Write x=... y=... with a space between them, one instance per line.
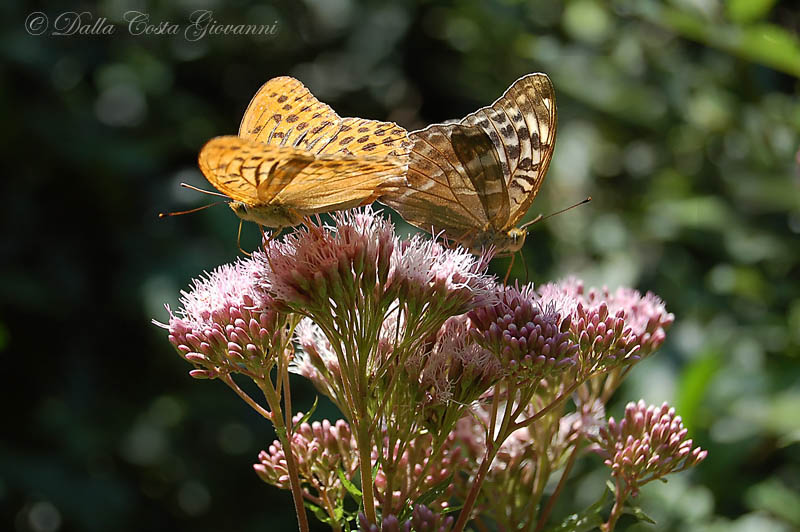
x=423 y=519
x=612 y=328
x=321 y=450
x=320 y=263
x=452 y=371
x=227 y=321
x=648 y=443
x=454 y=279
x=413 y=475
x=530 y=339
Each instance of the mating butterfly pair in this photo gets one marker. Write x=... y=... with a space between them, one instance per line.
x=474 y=179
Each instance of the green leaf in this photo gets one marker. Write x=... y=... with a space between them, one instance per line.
x=429 y=496
x=435 y=492
x=307 y=415
x=589 y=519
x=693 y=386
x=318 y=512
x=747 y=11
x=637 y=512
x=351 y=488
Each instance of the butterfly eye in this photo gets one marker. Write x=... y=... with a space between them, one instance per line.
x=238 y=207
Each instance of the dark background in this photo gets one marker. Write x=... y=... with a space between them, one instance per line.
x=679 y=118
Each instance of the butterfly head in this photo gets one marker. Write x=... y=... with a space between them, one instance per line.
x=515 y=239
x=503 y=242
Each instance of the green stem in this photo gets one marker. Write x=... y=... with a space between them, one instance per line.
x=472 y=496
x=554 y=497
x=365 y=469
x=280 y=429
x=616 y=511
x=492 y=447
x=227 y=379
x=538 y=415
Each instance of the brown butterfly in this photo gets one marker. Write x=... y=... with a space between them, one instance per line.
x=295 y=157
x=476 y=179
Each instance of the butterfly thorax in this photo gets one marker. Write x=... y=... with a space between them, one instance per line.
x=267 y=215
x=503 y=242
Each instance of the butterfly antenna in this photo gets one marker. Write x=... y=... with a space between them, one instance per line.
x=209 y=192
x=178 y=213
x=542 y=218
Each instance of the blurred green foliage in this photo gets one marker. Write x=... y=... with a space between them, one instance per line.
x=680 y=118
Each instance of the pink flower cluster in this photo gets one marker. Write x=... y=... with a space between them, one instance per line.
x=414 y=341
x=415 y=475
x=455 y=368
x=648 y=443
x=423 y=519
x=360 y=256
x=321 y=450
x=531 y=340
x=317 y=263
x=226 y=322
x=612 y=328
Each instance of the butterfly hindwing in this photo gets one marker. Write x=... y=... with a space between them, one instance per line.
x=476 y=178
x=284 y=113
x=481 y=164
x=522 y=126
x=440 y=195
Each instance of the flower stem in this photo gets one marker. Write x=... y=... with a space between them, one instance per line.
x=365 y=469
x=616 y=511
x=551 y=502
x=557 y=401
x=280 y=429
x=472 y=496
x=492 y=446
x=227 y=379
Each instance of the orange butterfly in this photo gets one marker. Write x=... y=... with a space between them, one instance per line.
x=475 y=179
x=295 y=157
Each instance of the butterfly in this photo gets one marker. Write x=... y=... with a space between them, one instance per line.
x=295 y=157
x=476 y=178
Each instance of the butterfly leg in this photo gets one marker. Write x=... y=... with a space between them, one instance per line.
x=522 y=258
x=510 y=265
x=239 y=239
x=267 y=239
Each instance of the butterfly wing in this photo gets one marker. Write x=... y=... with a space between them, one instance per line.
x=261 y=174
x=294 y=150
x=333 y=182
x=249 y=171
x=285 y=113
x=522 y=127
x=451 y=167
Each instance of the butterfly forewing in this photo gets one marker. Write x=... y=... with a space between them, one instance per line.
x=284 y=112
x=258 y=173
x=482 y=166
